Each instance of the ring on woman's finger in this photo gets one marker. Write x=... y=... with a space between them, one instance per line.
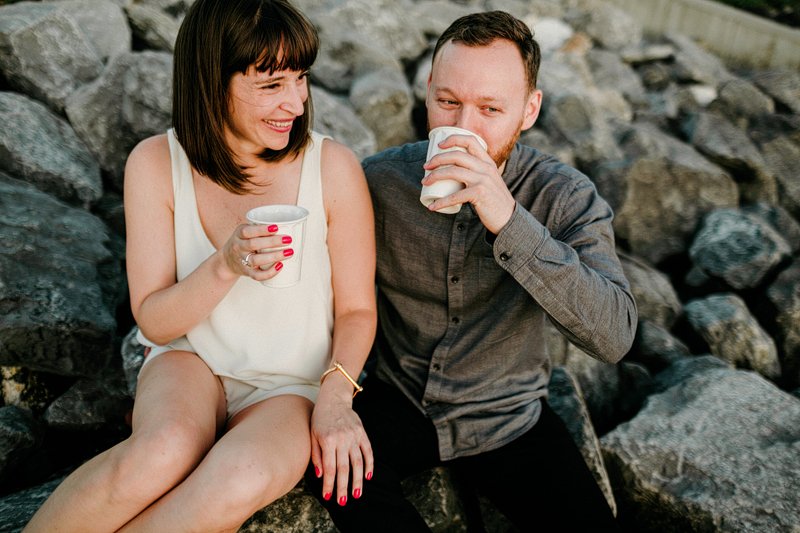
x=246 y=260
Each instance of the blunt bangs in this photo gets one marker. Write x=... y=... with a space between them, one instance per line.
x=277 y=40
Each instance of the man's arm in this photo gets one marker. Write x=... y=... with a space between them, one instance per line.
x=574 y=273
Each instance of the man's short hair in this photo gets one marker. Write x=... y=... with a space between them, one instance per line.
x=482 y=29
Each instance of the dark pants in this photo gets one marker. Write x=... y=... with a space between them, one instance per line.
x=538 y=479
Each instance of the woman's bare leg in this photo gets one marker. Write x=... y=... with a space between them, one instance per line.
x=261 y=457
x=178 y=409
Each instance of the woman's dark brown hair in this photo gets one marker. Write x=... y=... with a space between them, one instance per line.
x=217 y=39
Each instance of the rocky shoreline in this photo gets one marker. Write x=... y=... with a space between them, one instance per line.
x=698 y=429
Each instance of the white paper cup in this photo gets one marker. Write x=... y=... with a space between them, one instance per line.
x=291 y=220
x=440 y=189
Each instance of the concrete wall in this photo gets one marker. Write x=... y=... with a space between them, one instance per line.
x=737 y=37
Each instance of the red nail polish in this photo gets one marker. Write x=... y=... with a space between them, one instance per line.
x=272 y=228
x=288 y=252
x=368 y=476
x=286 y=239
x=317 y=471
x=357 y=494
x=327 y=496
x=343 y=500
x=278 y=266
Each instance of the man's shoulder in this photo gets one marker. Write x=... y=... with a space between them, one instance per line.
x=397 y=158
x=546 y=170
x=531 y=159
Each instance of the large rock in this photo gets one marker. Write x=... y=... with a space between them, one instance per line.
x=333 y=116
x=130 y=101
x=383 y=100
x=783 y=159
x=49 y=49
x=661 y=191
x=782 y=85
x=728 y=146
x=567 y=401
x=784 y=298
x=56 y=317
x=656 y=299
x=737 y=247
x=17 y=509
x=19 y=435
x=387 y=23
x=716 y=452
x=733 y=333
x=41 y=148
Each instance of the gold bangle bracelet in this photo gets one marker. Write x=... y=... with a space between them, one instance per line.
x=338 y=366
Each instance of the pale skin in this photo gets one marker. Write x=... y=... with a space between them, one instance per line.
x=497 y=104
x=171 y=474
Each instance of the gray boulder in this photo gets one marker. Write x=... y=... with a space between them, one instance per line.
x=737 y=247
x=383 y=100
x=19 y=436
x=335 y=117
x=41 y=148
x=782 y=85
x=661 y=191
x=655 y=347
x=153 y=26
x=130 y=101
x=728 y=146
x=656 y=299
x=783 y=296
x=783 y=160
x=733 y=334
x=53 y=258
x=716 y=452
x=90 y=404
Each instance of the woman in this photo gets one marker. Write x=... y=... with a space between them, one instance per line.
x=229 y=405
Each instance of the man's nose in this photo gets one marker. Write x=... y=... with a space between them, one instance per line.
x=467 y=119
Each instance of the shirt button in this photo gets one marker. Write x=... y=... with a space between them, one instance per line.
x=436 y=367
x=454 y=279
x=455 y=320
x=504 y=256
x=460 y=226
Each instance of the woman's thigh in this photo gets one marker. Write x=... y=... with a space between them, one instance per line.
x=268 y=444
x=178 y=388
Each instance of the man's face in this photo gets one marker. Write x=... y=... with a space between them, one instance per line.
x=482 y=89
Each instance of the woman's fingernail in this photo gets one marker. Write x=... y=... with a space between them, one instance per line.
x=327 y=496
x=317 y=471
x=286 y=239
x=357 y=494
x=288 y=252
x=278 y=265
x=272 y=228
x=343 y=500
x=369 y=476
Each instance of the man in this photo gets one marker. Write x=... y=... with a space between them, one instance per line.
x=461 y=361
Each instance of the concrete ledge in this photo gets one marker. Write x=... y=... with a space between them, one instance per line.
x=739 y=38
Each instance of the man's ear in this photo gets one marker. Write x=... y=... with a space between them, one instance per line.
x=532 y=108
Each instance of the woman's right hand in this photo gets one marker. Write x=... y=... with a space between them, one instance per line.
x=256 y=251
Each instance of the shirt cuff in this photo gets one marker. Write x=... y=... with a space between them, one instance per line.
x=519 y=239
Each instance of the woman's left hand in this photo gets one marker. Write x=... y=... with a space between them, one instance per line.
x=339 y=444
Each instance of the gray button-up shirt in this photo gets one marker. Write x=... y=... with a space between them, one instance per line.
x=461 y=312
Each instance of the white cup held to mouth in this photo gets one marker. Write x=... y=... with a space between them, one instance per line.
x=440 y=189
x=291 y=221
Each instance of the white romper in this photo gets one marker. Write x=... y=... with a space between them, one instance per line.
x=261 y=341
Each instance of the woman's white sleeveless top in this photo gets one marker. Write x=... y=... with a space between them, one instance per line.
x=277 y=339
